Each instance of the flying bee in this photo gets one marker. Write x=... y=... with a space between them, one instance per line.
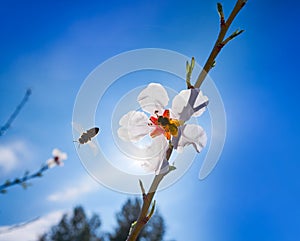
x=86 y=136
x=169 y=125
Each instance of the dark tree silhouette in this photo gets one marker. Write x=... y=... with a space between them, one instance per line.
x=76 y=228
x=153 y=231
x=79 y=227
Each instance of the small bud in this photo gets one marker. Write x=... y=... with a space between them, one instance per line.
x=213 y=64
x=172 y=168
x=17 y=180
x=220 y=8
x=192 y=63
x=132 y=226
x=221 y=13
x=187 y=66
x=142 y=187
x=236 y=33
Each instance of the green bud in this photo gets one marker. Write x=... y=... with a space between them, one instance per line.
x=220 y=8
x=187 y=66
x=236 y=33
x=172 y=168
x=192 y=63
x=213 y=64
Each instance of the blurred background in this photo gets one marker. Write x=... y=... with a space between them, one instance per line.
x=51 y=47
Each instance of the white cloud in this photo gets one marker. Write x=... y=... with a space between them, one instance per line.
x=32 y=230
x=12 y=156
x=83 y=186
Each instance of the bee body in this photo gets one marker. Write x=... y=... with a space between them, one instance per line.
x=88 y=135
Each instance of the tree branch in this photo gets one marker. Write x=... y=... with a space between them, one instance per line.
x=220 y=43
x=23 y=180
x=56 y=160
x=147 y=198
x=13 y=116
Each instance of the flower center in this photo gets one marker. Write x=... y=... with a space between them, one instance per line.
x=56 y=160
x=165 y=125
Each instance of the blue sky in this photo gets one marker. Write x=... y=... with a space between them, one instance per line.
x=253 y=193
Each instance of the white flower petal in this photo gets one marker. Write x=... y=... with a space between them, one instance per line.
x=50 y=163
x=123 y=133
x=153 y=98
x=63 y=156
x=156 y=156
x=180 y=102
x=134 y=126
x=192 y=134
x=58 y=153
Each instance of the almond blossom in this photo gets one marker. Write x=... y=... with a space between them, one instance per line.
x=169 y=123
x=57 y=159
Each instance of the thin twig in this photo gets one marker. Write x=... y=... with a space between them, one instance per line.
x=13 y=116
x=23 y=181
x=220 y=43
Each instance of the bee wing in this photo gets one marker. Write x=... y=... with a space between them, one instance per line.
x=93 y=146
x=78 y=127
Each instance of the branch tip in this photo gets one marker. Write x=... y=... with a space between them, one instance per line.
x=16 y=112
x=28 y=92
x=189 y=70
x=237 y=32
x=232 y=36
x=221 y=14
x=187 y=66
x=192 y=63
x=244 y=2
x=220 y=42
x=142 y=188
